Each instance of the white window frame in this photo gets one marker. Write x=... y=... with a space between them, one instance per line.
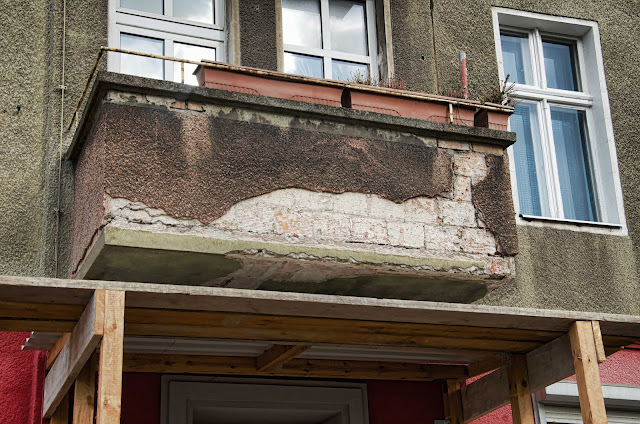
x=593 y=99
x=181 y=395
x=328 y=55
x=166 y=28
x=561 y=401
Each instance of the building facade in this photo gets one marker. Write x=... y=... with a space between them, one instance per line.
x=114 y=169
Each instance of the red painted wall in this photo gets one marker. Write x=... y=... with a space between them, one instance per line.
x=21 y=381
x=141 y=398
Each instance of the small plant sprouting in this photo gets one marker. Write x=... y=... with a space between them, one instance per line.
x=500 y=94
x=395 y=82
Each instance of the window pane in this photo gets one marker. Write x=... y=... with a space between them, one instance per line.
x=348 y=28
x=527 y=152
x=301 y=23
x=516 y=58
x=572 y=155
x=187 y=51
x=560 y=66
x=309 y=66
x=151 y=6
x=139 y=65
x=194 y=10
x=348 y=71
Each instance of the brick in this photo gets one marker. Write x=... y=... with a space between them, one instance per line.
x=282 y=199
x=197 y=106
x=442 y=238
x=385 y=209
x=491 y=149
x=294 y=223
x=455 y=145
x=352 y=203
x=459 y=214
x=470 y=164
x=365 y=230
x=254 y=219
x=334 y=226
x=477 y=240
x=311 y=200
x=429 y=141
x=421 y=209
x=405 y=234
x=462 y=188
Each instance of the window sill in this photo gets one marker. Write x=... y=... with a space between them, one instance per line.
x=573 y=222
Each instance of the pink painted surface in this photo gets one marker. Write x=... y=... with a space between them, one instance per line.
x=405 y=402
x=21 y=381
x=622 y=367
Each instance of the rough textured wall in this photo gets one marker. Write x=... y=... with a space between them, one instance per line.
x=258 y=34
x=557 y=269
x=23 y=117
x=22 y=382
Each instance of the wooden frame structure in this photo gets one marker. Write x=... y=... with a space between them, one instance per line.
x=521 y=349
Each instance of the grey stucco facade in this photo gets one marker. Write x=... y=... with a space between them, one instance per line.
x=559 y=269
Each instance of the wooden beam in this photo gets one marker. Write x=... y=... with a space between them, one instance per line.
x=110 y=368
x=597 y=338
x=310 y=330
x=520 y=390
x=585 y=360
x=75 y=353
x=84 y=393
x=454 y=402
x=55 y=350
x=485 y=394
x=61 y=415
x=278 y=355
x=320 y=368
x=487 y=364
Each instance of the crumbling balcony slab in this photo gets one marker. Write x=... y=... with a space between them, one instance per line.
x=218 y=188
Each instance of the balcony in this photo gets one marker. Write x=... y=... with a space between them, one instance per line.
x=208 y=186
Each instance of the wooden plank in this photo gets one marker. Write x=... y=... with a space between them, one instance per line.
x=305 y=330
x=53 y=353
x=74 y=355
x=550 y=363
x=168 y=296
x=110 y=368
x=520 y=390
x=61 y=415
x=320 y=368
x=278 y=355
x=585 y=360
x=487 y=364
x=454 y=402
x=84 y=393
x=597 y=338
x=45 y=326
x=485 y=394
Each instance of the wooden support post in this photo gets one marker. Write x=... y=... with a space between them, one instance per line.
x=454 y=402
x=110 y=368
x=74 y=355
x=520 y=390
x=61 y=414
x=585 y=362
x=278 y=355
x=84 y=393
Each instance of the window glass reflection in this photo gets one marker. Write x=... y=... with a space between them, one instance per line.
x=139 y=65
x=187 y=51
x=348 y=71
x=531 y=183
x=516 y=58
x=348 y=28
x=194 y=10
x=301 y=25
x=570 y=140
x=308 y=66
x=560 y=66
x=151 y=6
